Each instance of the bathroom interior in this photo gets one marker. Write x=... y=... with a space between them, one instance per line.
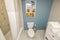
x=29 y=19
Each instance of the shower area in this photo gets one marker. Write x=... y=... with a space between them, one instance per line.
x=11 y=20
x=4 y=21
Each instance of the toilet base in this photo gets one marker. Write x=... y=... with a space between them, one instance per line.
x=31 y=33
x=30 y=37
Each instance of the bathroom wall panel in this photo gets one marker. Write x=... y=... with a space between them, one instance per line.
x=43 y=8
x=55 y=11
x=4 y=22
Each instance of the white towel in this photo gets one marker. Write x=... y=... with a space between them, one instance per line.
x=55 y=25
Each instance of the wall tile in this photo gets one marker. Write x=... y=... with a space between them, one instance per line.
x=4 y=22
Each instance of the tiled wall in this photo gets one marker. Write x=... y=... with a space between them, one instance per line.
x=4 y=23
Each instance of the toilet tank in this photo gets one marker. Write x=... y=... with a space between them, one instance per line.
x=30 y=24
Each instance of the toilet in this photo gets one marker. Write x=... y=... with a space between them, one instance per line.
x=30 y=30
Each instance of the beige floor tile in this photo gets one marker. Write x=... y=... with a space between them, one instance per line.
x=39 y=35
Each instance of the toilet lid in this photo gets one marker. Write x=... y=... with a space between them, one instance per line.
x=31 y=32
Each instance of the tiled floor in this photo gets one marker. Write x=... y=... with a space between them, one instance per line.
x=8 y=36
x=39 y=35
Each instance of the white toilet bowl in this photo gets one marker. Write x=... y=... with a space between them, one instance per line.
x=30 y=29
x=31 y=33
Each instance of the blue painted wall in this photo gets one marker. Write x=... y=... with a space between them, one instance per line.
x=43 y=8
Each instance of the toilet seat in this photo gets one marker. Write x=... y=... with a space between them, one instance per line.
x=31 y=33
